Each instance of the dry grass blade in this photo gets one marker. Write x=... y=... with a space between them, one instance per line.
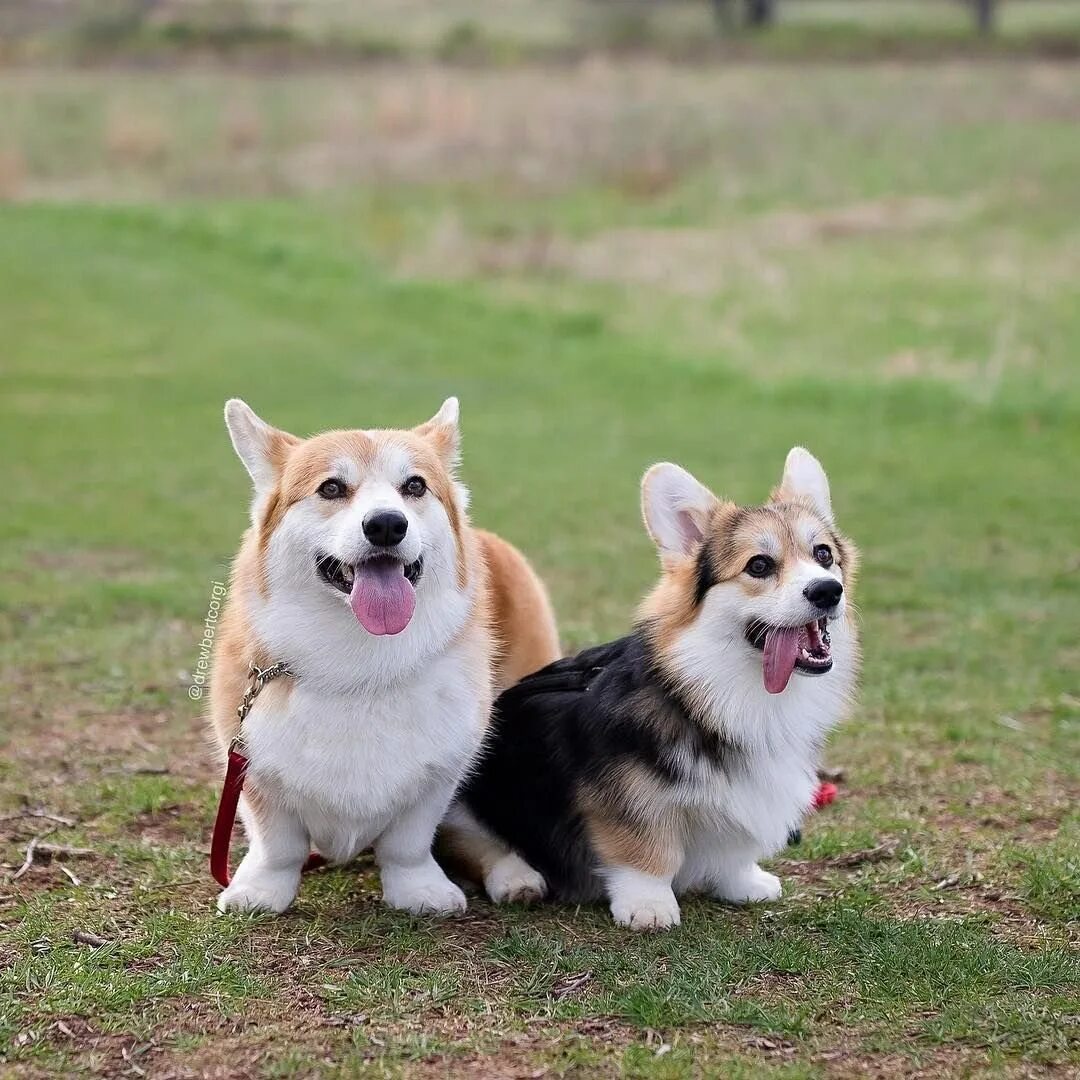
x=128 y=1057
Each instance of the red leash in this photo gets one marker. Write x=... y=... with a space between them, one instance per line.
x=234 y=781
x=226 y=816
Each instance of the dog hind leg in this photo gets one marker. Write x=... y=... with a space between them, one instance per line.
x=507 y=877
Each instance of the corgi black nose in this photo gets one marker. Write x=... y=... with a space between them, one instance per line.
x=385 y=528
x=824 y=593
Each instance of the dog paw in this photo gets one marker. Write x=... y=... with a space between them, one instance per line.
x=752 y=886
x=513 y=881
x=268 y=892
x=652 y=913
x=421 y=892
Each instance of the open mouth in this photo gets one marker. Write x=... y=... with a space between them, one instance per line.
x=381 y=590
x=786 y=649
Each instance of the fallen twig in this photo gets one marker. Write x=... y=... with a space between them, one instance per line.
x=62 y=849
x=73 y=878
x=27 y=812
x=869 y=855
x=961 y=877
x=58 y=818
x=85 y=937
x=31 y=848
x=570 y=984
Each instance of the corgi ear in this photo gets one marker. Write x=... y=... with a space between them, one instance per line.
x=804 y=478
x=258 y=445
x=676 y=508
x=443 y=431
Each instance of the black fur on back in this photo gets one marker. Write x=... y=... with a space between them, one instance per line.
x=572 y=727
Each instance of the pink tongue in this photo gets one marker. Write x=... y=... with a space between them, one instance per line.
x=781 y=649
x=381 y=598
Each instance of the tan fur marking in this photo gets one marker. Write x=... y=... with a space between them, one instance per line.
x=429 y=464
x=632 y=822
x=521 y=611
x=472 y=855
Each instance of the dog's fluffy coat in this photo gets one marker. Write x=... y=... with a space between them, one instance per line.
x=367 y=741
x=664 y=763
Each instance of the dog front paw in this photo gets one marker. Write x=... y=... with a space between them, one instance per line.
x=424 y=891
x=264 y=892
x=750 y=886
x=647 y=913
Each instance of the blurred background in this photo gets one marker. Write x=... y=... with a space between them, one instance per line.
x=621 y=231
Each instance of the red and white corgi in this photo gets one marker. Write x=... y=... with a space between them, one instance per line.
x=398 y=622
x=674 y=759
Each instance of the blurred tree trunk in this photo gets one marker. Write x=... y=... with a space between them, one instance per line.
x=984 y=15
x=723 y=14
x=760 y=12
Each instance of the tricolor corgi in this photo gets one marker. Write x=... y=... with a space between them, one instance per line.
x=398 y=622
x=674 y=759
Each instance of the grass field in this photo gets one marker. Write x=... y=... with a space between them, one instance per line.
x=623 y=263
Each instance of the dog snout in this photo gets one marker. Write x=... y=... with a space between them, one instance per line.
x=386 y=528
x=824 y=593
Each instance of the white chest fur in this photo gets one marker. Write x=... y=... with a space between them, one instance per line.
x=752 y=806
x=779 y=737
x=347 y=763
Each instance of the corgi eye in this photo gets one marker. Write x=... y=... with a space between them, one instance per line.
x=332 y=489
x=414 y=486
x=823 y=554
x=761 y=566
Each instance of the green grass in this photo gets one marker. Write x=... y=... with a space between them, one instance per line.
x=883 y=269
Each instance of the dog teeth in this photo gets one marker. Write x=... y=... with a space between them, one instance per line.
x=347 y=575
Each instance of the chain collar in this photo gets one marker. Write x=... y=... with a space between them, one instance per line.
x=258 y=677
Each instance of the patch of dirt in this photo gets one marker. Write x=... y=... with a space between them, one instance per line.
x=239 y=1044
x=931 y=1064
x=76 y=743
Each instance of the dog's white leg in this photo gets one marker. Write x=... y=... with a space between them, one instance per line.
x=411 y=878
x=268 y=876
x=639 y=900
x=742 y=881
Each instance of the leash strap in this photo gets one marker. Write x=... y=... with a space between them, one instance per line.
x=226 y=816
x=235 y=770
